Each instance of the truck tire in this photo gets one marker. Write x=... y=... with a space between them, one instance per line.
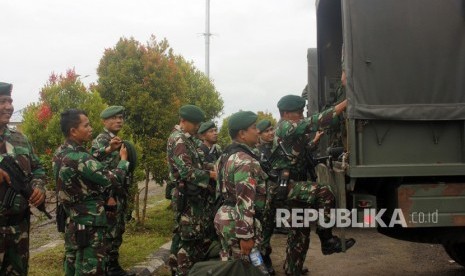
x=456 y=251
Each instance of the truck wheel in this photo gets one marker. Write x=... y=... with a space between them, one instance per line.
x=456 y=251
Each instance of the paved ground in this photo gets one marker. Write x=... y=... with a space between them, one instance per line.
x=373 y=254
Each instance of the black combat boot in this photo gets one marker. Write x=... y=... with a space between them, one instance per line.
x=268 y=264
x=332 y=244
x=114 y=269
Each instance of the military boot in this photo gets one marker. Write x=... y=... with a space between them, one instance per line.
x=268 y=264
x=114 y=269
x=332 y=244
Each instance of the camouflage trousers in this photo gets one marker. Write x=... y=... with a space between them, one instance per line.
x=116 y=229
x=225 y=225
x=176 y=238
x=14 y=249
x=269 y=220
x=85 y=250
x=191 y=228
x=304 y=194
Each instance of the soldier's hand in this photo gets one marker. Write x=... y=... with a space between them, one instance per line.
x=341 y=107
x=246 y=246
x=318 y=136
x=4 y=177
x=37 y=197
x=123 y=152
x=111 y=207
x=115 y=143
x=213 y=175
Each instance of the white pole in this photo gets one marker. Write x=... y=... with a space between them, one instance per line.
x=207 y=40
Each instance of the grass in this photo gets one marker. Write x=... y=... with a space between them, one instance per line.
x=48 y=263
x=138 y=242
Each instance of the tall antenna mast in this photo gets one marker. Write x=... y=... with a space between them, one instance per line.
x=207 y=35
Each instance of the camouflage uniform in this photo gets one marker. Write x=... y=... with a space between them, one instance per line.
x=185 y=167
x=243 y=189
x=301 y=192
x=110 y=161
x=269 y=222
x=14 y=221
x=265 y=149
x=84 y=186
x=209 y=157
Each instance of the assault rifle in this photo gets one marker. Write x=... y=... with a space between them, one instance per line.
x=20 y=182
x=267 y=163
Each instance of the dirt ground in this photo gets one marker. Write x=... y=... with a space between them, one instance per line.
x=373 y=254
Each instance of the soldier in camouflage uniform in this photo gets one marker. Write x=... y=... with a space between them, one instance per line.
x=209 y=152
x=242 y=186
x=189 y=196
x=266 y=135
x=264 y=147
x=105 y=148
x=84 y=188
x=291 y=134
x=14 y=218
x=209 y=135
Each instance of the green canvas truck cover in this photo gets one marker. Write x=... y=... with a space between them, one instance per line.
x=405 y=59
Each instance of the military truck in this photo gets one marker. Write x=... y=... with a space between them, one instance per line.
x=404 y=128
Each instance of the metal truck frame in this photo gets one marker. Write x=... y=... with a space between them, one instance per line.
x=404 y=135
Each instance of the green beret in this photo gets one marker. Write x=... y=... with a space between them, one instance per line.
x=5 y=89
x=206 y=126
x=132 y=155
x=241 y=120
x=263 y=124
x=191 y=113
x=291 y=103
x=111 y=111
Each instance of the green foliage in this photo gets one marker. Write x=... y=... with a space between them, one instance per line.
x=223 y=135
x=152 y=83
x=266 y=115
x=41 y=120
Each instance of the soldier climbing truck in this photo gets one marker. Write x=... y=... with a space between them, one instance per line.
x=403 y=133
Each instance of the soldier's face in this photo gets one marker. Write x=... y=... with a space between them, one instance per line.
x=294 y=116
x=83 y=132
x=250 y=135
x=190 y=127
x=6 y=110
x=211 y=135
x=114 y=123
x=267 y=135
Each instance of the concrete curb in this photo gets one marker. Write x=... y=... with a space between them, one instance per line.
x=154 y=261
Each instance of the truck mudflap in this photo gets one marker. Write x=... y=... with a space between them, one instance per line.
x=432 y=205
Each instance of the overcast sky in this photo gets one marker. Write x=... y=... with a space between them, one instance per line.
x=257 y=54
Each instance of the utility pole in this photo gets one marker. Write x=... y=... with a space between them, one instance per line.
x=207 y=35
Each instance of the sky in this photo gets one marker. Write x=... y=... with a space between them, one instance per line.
x=258 y=51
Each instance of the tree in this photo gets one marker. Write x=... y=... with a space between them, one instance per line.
x=41 y=120
x=266 y=115
x=153 y=83
x=223 y=136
